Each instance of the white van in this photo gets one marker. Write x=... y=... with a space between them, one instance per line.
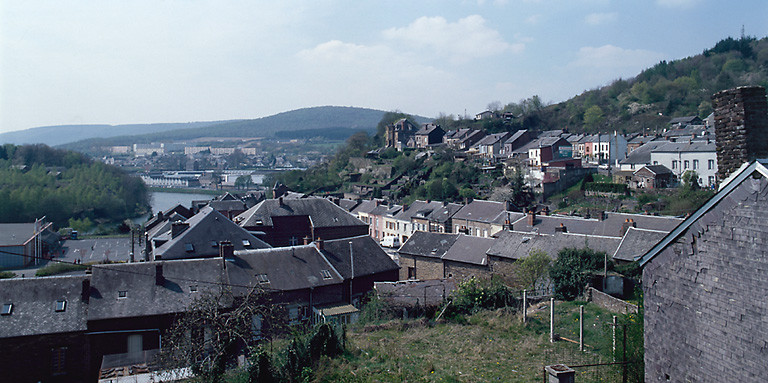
x=390 y=242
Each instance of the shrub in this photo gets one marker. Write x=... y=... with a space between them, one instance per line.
x=58 y=268
x=475 y=294
x=6 y=274
x=569 y=273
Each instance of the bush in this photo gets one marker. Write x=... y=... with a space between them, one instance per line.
x=473 y=295
x=6 y=274
x=604 y=187
x=569 y=273
x=58 y=268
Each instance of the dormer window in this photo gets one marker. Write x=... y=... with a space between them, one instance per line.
x=7 y=309
x=259 y=222
x=122 y=294
x=246 y=243
x=189 y=247
x=61 y=306
x=326 y=274
x=193 y=288
x=214 y=244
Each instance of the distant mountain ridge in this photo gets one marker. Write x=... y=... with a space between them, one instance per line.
x=85 y=137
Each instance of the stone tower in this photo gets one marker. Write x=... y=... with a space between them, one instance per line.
x=741 y=127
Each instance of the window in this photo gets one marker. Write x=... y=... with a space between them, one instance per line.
x=122 y=294
x=695 y=164
x=411 y=273
x=7 y=309
x=655 y=162
x=193 y=288
x=262 y=278
x=711 y=180
x=674 y=164
x=686 y=163
x=58 y=360
x=710 y=164
x=189 y=247
x=246 y=243
x=61 y=305
x=326 y=274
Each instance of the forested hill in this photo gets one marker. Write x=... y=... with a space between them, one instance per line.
x=307 y=119
x=37 y=181
x=668 y=89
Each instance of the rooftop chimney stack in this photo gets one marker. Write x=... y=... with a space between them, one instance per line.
x=159 y=278
x=531 y=217
x=320 y=244
x=741 y=127
x=226 y=250
x=561 y=229
x=626 y=225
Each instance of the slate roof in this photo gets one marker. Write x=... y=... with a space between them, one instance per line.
x=34 y=302
x=143 y=296
x=323 y=213
x=444 y=212
x=418 y=208
x=427 y=128
x=428 y=244
x=228 y=205
x=611 y=226
x=369 y=257
x=683 y=120
x=469 y=249
x=677 y=147
x=286 y=268
x=642 y=155
x=14 y=234
x=364 y=207
x=491 y=139
x=730 y=194
x=518 y=245
x=481 y=211
x=656 y=169
x=205 y=227
x=637 y=242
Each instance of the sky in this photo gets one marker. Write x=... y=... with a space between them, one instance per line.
x=149 y=61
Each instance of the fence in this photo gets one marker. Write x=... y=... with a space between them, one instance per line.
x=599 y=348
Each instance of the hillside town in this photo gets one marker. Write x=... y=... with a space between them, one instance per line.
x=319 y=257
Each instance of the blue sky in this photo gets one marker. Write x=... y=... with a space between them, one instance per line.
x=118 y=62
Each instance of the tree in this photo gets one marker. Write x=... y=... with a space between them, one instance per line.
x=243 y=182
x=533 y=269
x=215 y=328
x=593 y=117
x=570 y=272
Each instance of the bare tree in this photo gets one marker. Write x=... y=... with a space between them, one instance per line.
x=215 y=329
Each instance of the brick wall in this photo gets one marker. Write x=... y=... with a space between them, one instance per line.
x=706 y=312
x=426 y=268
x=461 y=271
x=741 y=127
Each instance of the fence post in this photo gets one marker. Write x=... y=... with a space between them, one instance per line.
x=581 y=328
x=614 y=337
x=525 y=306
x=552 y=320
x=624 y=369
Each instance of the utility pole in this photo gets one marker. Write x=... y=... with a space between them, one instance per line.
x=352 y=274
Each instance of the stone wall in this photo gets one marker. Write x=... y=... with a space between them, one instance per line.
x=461 y=271
x=426 y=268
x=741 y=127
x=612 y=304
x=706 y=315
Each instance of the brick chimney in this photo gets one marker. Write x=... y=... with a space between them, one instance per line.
x=226 y=250
x=626 y=225
x=159 y=278
x=319 y=244
x=546 y=210
x=603 y=215
x=280 y=201
x=307 y=240
x=531 y=217
x=561 y=229
x=741 y=127
x=178 y=227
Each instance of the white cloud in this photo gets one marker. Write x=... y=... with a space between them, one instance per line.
x=685 y=4
x=461 y=41
x=533 y=19
x=610 y=56
x=600 y=18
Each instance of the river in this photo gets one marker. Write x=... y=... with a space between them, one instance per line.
x=161 y=201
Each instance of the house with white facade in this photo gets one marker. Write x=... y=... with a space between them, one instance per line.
x=602 y=148
x=698 y=156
